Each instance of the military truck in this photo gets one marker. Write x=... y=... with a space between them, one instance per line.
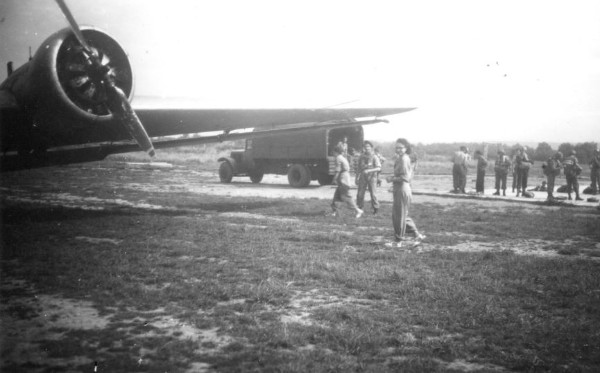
x=303 y=157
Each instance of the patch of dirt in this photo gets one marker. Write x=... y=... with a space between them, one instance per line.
x=465 y=366
x=536 y=247
x=29 y=320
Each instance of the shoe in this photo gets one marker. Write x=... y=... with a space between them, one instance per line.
x=375 y=211
x=496 y=194
x=420 y=237
x=504 y=194
x=359 y=213
x=578 y=199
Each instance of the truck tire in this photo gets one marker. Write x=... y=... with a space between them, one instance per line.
x=324 y=179
x=256 y=176
x=225 y=172
x=298 y=176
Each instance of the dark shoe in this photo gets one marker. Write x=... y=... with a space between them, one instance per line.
x=504 y=193
x=375 y=211
x=496 y=194
x=578 y=199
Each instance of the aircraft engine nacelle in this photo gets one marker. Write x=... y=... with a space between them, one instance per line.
x=63 y=92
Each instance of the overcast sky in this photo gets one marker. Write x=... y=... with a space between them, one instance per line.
x=526 y=71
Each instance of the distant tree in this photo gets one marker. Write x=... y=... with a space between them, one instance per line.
x=565 y=148
x=585 y=151
x=512 y=150
x=543 y=152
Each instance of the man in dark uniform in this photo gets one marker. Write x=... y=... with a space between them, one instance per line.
x=522 y=164
x=552 y=170
x=459 y=169
x=501 y=168
x=572 y=171
x=366 y=176
x=481 y=166
x=595 y=172
x=382 y=160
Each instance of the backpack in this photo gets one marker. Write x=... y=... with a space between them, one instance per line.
x=572 y=168
x=550 y=167
x=528 y=194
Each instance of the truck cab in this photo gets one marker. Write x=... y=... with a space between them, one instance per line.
x=303 y=157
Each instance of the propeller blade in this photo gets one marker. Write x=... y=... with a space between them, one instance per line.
x=74 y=26
x=119 y=106
x=116 y=100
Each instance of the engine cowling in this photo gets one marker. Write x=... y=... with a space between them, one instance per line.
x=62 y=94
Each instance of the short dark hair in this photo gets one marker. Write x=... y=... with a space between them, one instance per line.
x=367 y=142
x=339 y=149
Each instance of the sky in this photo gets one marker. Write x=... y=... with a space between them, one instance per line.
x=477 y=71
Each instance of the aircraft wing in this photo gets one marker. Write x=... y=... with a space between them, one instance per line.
x=168 y=122
x=201 y=126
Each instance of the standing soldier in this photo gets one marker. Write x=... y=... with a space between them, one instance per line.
x=595 y=172
x=522 y=164
x=572 y=171
x=381 y=162
x=481 y=166
x=501 y=168
x=459 y=169
x=552 y=170
x=366 y=176
x=513 y=171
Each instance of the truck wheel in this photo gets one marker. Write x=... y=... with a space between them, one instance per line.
x=256 y=176
x=299 y=176
x=324 y=179
x=225 y=172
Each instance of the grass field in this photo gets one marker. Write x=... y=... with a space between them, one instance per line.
x=210 y=283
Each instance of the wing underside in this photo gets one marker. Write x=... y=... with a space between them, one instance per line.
x=168 y=122
x=165 y=127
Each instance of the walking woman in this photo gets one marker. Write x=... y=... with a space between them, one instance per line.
x=402 y=195
x=342 y=179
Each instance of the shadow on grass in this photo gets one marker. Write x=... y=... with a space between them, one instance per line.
x=34 y=214
x=234 y=206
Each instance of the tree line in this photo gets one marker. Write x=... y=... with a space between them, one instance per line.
x=543 y=150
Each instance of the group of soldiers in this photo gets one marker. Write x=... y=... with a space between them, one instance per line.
x=520 y=166
x=572 y=170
